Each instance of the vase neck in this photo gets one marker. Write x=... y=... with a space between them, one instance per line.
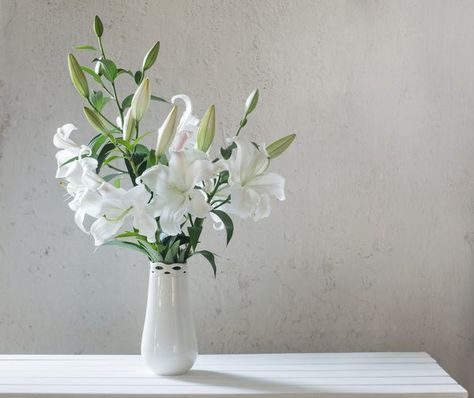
x=168 y=269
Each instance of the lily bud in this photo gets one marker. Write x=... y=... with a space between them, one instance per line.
x=207 y=129
x=141 y=100
x=95 y=120
x=150 y=57
x=77 y=76
x=98 y=26
x=279 y=146
x=251 y=102
x=128 y=125
x=166 y=133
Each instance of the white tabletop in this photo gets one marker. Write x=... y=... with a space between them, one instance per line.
x=291 y=375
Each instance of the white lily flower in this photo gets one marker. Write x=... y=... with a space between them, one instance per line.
x=187 y=127
x=68 y=150
x=250 y=184
x=173 y=187
x=112 y=206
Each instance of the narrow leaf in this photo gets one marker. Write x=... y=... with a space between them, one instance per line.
x=94 y=75
x=209 y=256
x=85 y=47
x=227 y=221
x=128 y=245
x=103 y=155
x=155 y=98
x=194 y=234
x=127 y=101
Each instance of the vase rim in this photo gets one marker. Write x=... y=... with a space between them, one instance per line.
x=168 y=269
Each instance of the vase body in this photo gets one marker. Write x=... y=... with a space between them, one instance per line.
x=169 y=345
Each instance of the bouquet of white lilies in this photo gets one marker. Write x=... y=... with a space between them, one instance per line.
x=156 y=200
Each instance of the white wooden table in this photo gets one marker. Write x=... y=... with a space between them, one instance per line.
x=392 y=375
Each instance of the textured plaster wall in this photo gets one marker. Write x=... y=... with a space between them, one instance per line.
x=373 y=249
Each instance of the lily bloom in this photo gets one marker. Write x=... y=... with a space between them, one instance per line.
x=174 y=188
x=68 y=150
x=251 y=185
x=113 y=206
x=186 y=131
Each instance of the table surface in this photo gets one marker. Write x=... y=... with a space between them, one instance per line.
x=250 y=375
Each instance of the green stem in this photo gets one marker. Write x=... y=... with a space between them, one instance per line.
x=223 y=203
x=112 y=83
x=116 y=168
x=238 y=131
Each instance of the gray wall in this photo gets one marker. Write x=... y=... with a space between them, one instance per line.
x=373 y=249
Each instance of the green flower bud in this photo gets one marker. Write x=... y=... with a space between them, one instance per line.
x=128 y=125
x=150 y=57
x=77 y=76
x=251 y=102
x=98 y=26
x=279 y=146
x=95 y=120
x=207 y=129
x=166 y=133
x=141 y=100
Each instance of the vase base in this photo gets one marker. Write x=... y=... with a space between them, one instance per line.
x=170 y=366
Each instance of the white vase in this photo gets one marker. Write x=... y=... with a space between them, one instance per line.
x=169 y=345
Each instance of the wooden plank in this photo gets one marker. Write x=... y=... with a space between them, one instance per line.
x=317 y=375
x=223 y=379
x=263 y=388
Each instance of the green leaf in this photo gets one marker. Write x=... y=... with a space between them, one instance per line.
x=194 y=234
x=111 y=159
x=251 y=102
x=227 y=221
x=171 y=253
x=150 y=57
x=85 y=47
x=94 y=75
x=141 y=136
x=98 y=26
x=103 y=155
x=127 y=234
x=133 y=177
x=209 y=256
x=127 y=101
x=96 y=143
x=151 y=161
x=110 y=177
x=155 y=98
x=125 y=143
x=121 y=71
x=227 y=152
x=153 y=254
x=279 y=146
x=98 y=100
x=128 y=245
x=138 y=77
x=69 y=161
x=109 y=69
x=140 y=154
